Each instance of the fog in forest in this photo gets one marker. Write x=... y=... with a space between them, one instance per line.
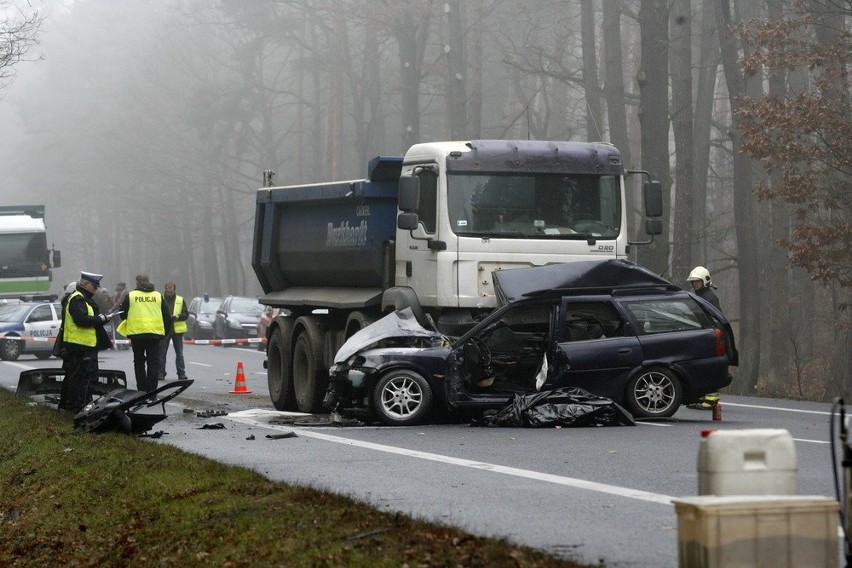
x=144 y=128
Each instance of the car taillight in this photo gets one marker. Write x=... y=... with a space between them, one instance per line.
x=720 y=341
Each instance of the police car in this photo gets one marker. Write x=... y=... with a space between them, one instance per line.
x=27 y=327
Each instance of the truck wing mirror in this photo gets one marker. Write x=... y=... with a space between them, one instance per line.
x=652 y=193
x=409 y=193
x=407 y=221
x=57 y=259
x=654 y=226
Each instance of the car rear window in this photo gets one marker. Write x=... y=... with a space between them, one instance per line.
x=667 y=314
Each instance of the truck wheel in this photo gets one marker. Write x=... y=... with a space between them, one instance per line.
x=310 y=377
x=402 y=398
x=11 y=349
x=278 y=376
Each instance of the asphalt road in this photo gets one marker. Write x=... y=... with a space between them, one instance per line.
x=591 y=494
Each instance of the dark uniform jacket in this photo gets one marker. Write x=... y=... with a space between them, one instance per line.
x=81 y=317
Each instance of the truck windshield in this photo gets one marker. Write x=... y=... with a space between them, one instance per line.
x=554 y=206
x=23 y=254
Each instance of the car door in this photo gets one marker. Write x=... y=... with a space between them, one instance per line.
x=220 y=323
x=675 y=330
x=595 y=348
x=40 y=324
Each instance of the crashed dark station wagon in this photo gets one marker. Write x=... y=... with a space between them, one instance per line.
x=610 y=327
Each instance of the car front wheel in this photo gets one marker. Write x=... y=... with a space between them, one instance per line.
x=654 y=392
x=10 y=349
x=402 y=398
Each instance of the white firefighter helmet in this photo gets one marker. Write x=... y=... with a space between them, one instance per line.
x=700 y=273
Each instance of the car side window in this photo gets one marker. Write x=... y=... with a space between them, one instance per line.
x=667 y=314
x=41 y=313
x=591 y=320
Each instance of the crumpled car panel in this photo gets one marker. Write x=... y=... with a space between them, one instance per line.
x=513 y=285
x=400 y=323
x=124 y=410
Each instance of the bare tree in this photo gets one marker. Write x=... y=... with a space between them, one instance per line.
x=683 y=227
x=18 y=35
x=591 y=86
x=747 y=258
x=654 y=115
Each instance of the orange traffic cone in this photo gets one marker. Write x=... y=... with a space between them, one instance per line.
x=240 y=383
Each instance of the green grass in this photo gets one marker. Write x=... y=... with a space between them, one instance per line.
x=113 y=500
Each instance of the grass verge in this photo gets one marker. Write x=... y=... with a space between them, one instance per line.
x=114 y=500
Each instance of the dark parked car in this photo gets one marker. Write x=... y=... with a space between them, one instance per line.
x=202 y=314
x=37 y=322
x=609 y=327
x=237 y=318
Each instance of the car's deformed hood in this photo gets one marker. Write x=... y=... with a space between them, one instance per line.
x=401 y=323
x=517 y=283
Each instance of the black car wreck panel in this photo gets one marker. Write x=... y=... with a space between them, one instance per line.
x=648 y=348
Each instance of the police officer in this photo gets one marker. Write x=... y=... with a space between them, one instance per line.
x=83 y=335
x=702 y=286
x=146 y=323
x=177 y=308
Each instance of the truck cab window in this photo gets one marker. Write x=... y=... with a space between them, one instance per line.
x=428 y=205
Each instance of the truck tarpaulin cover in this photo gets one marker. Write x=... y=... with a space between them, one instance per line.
x=567 y=406
x=513 y=285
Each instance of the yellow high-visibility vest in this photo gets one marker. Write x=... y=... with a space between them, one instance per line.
x=75 y=334
x=145 y=314
x=180 y=326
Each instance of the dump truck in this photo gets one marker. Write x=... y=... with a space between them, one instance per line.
x=25 y=259
x=426 y=231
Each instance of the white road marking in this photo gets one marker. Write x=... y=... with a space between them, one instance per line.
x=811 y=441
x=251 y=418
x=660 y=424
x=724 y=404
x=200 y=364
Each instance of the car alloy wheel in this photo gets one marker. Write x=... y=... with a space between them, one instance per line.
x=654 y=393
x=402 y=397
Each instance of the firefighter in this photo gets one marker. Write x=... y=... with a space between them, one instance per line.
x=703 y=287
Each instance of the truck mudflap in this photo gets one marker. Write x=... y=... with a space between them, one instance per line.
x=48 y=382
x=127 y=410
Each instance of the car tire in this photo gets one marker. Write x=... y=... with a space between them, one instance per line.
x=279 y=375
x=10 y=349
x=655 y=392
x=402 y=398
x=310 y=377
x=43 y=355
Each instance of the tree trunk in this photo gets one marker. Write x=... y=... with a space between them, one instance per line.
x=747 y=258
x=456 y=71
x=779 y=364
x=683 y=227
x=594 y=114
x=654 y=117
x=708 y=64
x=616 y=106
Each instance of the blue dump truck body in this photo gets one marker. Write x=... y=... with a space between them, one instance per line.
x=330 y=234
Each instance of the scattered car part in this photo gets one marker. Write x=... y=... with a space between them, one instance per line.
x=126 y=410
